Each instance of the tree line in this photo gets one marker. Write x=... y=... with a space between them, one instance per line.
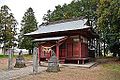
x=8 y=29
x=102 y=15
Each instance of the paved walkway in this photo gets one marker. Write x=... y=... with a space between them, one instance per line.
x=18 y=72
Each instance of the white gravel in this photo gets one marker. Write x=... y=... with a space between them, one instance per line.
x=18 y=72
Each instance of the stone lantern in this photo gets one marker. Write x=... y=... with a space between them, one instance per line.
x=20 y=61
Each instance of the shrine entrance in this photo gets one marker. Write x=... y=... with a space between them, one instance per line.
x=46 y=52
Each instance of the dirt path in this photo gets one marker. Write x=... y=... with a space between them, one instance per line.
x=98 y=72
x=3 y=63
x=95 y=73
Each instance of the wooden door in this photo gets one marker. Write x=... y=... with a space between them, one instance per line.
x=76 y=49
x=84 y=50
x=69 y=50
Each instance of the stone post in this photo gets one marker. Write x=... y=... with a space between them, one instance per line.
x=10 y=66
x=35 y=60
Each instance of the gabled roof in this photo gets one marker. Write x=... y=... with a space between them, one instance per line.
x=49 y=39
x=66 y=26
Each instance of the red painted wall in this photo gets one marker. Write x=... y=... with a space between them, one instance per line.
x=62 y=52
x=71 y=49
x=76 y=49
x=84 y=50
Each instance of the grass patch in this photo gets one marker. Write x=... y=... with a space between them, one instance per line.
x=6 y=56
x=3 y=56
x=27 y=57
x=112 y=67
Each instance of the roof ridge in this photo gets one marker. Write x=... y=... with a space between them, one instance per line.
x=62 y=21
x=66 y=20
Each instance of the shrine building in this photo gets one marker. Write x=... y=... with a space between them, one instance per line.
x=70 y=40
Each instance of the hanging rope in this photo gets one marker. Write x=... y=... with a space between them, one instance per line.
x=47 y=49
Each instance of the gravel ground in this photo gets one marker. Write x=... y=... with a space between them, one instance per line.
x=96 y=73
x=6 y=74
x=18 y=72
x=67 y=73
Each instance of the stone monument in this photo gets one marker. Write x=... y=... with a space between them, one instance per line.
x=53 y=63
x=35 y=60
x=10 y=60
x=20 y=61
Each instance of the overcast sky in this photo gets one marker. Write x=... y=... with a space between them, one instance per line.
x=40 y=7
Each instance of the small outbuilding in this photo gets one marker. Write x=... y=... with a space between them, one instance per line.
x=70 y=40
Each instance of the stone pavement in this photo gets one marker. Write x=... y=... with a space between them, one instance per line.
x=18 y=72
x=87 y=65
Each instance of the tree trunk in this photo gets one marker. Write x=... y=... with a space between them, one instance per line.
x=104 y=49
x=4 y=50
x=114 y=54
x=30 y=52
x=100 y=53
x=119 y=56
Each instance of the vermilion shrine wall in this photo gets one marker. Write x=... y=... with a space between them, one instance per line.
x=73 y=47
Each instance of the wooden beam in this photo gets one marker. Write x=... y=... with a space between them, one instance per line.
x=39 y=53
x=57 y=51
x=63 y=39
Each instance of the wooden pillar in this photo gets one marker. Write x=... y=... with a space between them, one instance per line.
x=57 y=51
x=83 y=61
x=39 y=53
x=78 y=62
x=80 y=49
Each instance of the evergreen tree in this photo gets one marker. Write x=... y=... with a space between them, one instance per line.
x=7 y=27
x=103 y=15
x=29 y=24
x=108 y=21
x=1 y=27
x=77 y=8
